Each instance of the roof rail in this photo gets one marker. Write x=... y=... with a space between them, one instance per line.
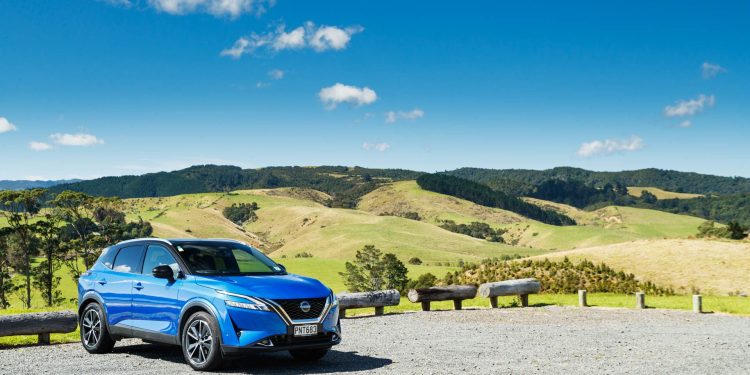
x=145 y=239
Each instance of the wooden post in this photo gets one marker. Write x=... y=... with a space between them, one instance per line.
x=640 y=300
x=342 y=313
x=44 y=338
x=697 y=303
x=493 y=302
x=582 y=298
x=457 y=304
x=379 y=310
x=425 y=305
x=524 y=300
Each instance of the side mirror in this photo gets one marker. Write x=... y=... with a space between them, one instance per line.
x=283 y=268
x=163 y=272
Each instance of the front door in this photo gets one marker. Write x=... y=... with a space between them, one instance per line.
x=156 y=309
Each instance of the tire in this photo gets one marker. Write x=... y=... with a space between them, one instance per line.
x=201 y=342
x=308 y=355
x=95 y=336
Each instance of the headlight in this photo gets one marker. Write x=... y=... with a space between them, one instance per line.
x=252 y=304
x=334 y=300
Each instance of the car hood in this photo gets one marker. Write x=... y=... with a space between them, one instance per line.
x=269 y=286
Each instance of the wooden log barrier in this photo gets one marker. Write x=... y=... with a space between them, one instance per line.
x=455 y=293
x=377 y=299
x=520 y=287
x=41 y=324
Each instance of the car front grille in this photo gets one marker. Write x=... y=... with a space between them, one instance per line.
x=293 y=309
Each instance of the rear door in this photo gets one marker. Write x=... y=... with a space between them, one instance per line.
x=116 y=287
x=156 y=308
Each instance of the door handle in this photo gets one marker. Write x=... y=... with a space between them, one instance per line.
x=138 y=286
x=102 y=281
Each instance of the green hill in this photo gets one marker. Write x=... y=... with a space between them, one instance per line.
x=604 y=226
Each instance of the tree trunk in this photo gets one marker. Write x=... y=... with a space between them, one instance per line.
x=443 y=293
x=36 y=323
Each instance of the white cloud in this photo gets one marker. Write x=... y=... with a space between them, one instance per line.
x=318 y=38
x=393 y=116
x=689 y=107
x=711 y=70
x=376 y=146
x=340 y=93
x=6 y=125
x=331 y=37
x=262 y=85
x=238 y=48
x=276 y=74
x=79 y=139
x=39 y=146
x=686 y=124
x=218 y=8
x=610 y=146
x=294 y=39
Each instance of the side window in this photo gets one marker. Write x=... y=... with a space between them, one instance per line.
x=108 y=257
x=158 y=255
x=129 y=259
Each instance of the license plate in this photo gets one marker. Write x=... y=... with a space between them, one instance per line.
x=307 y=330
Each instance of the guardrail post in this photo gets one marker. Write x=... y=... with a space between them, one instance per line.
x=43 y=339
x=493 y=302
x=582 y=298
x=379 y=310
x=457 y=304
x=640 y=300
x=524 y=300
x=425 y=305
x=697 y=303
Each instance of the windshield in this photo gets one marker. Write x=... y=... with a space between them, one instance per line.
x=226 y=259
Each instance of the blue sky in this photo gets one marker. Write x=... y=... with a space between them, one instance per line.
x=129 y=87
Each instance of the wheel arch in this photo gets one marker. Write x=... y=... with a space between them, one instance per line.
x=191 y=308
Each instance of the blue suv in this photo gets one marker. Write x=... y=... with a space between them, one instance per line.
x=214 y=298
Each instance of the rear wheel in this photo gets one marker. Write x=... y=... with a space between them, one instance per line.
x=200 y=342
x=308 y=355
x=94 y=334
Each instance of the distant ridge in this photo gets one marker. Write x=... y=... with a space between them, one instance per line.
x=30 y=184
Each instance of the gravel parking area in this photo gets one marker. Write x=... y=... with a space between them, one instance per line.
x=519 y=341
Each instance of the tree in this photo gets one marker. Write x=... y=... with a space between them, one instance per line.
x=241 y=213
x=426 y=280
x=49 y=242
x=372 y=271
x=6 y=282
x=648 y=197
x=736 y=230
x=19 y=207
x=77 y=209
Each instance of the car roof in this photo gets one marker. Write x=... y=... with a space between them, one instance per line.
x=173 y=241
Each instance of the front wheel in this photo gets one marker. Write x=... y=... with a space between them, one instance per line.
x=308 y=355
x=94 y=335
x=200 y=342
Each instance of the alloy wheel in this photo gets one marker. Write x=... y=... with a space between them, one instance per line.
x=91 y=327
x=199 y=342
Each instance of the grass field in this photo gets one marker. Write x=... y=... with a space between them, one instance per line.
x=711 y=304
x=288 y=226
x=636 y=191
x=605 y=226
x=714 y=267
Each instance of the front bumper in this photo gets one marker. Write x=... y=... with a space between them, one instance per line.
x=249 y=330
x=286 y=342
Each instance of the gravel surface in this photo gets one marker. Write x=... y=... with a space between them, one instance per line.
x=519 y=341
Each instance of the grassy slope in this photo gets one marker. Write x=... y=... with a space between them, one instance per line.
x=288 y=226
x=636 y=191
x=715 y=267
x=605 y=226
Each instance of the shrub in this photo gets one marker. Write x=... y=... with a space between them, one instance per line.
x=241 y=213
x=303 y=254
x=423 y=281
x=415 y=261
x=371 y=270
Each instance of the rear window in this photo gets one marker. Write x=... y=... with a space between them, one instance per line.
x=108 y=257
x=129 y=259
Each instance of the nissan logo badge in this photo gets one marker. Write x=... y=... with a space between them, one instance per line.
x=304 y=306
